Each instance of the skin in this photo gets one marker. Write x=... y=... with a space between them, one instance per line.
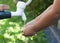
x=3 y=7
x=47 y=18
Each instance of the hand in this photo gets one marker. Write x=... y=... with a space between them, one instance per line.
x=28 y=29
x=3 y=7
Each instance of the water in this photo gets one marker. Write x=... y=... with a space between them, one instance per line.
x=26 y=38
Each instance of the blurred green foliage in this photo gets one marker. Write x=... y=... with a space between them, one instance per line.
x=10 y=29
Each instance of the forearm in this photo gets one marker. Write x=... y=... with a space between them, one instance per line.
x=47 y=18
x=56 y=6
x=49 y=8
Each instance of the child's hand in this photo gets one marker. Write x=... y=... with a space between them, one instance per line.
x=29 y=29
x=3 y=7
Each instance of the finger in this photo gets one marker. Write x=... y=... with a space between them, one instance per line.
x=1 y=7
x=4 y=7
x=27 y=35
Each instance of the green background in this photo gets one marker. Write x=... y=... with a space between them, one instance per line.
x=11 y=29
